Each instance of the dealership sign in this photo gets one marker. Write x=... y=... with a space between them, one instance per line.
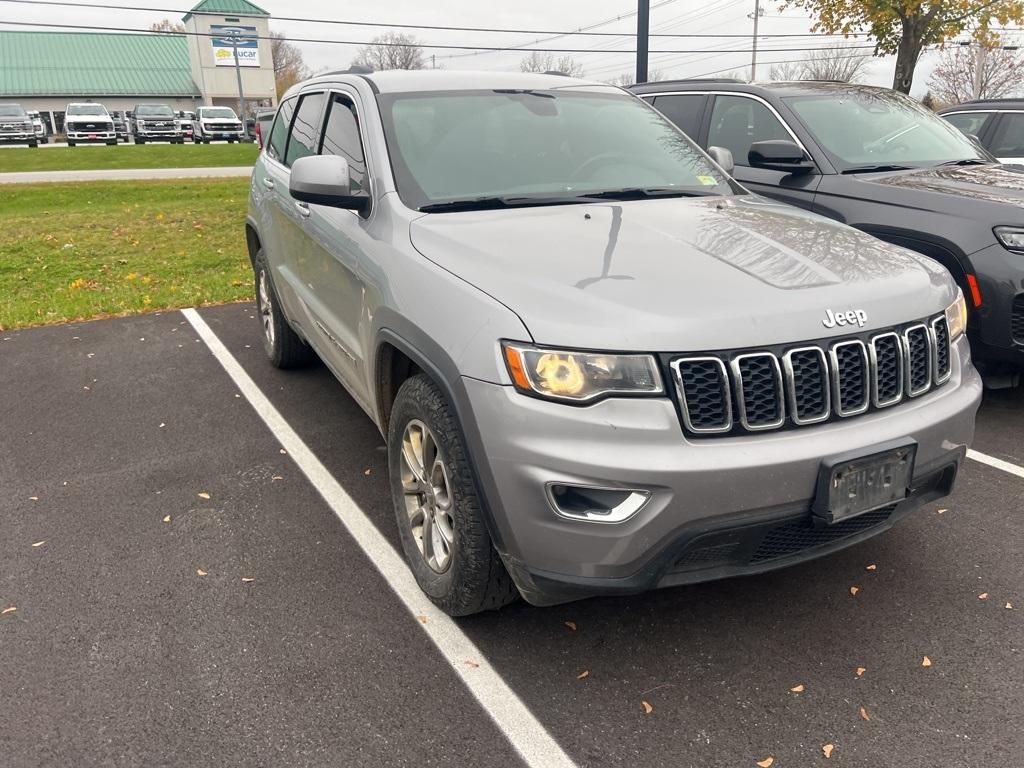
x=225 y=39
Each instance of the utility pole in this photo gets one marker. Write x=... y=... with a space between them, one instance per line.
x=643 y=29
x=753 y=55
x=980 y=54
x=235 y=37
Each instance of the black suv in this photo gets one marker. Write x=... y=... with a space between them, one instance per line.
x=997 y=123
x=879 y=161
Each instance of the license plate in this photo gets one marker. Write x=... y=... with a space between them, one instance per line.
x=851 y=487
x=225 y=135
x=92 y=135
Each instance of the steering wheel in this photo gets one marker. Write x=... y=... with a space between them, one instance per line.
x=609 y=158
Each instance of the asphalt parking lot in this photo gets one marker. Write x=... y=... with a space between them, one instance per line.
x=183 y=595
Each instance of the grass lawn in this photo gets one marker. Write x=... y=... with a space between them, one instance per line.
x=88 y=158
x=77 y=251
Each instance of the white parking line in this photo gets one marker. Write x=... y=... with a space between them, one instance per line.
x=992 y=461
x=525 y=733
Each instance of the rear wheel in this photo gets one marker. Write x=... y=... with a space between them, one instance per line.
x=71 y=143
x=283 y=346
x=33 y=144
x=438 y=507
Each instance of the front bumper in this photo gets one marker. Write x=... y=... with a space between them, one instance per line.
x=18 y=137
x=997 y=327
x=705 y=496
x=92 y=136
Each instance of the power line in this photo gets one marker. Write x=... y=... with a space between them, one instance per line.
x=88 y=27
x=582 y=31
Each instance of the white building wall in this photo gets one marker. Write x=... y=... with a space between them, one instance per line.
x=219 y=85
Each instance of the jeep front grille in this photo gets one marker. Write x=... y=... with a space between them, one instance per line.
x=751 y=391
x=1017 y=322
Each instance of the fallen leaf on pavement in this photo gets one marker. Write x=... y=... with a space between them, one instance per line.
x=472 y=664
x=203 y=495
x=864 y=714
x=422 y=618
x=1009 y=606
x=647 y=708
x=167 y=519
x=926 y=662
x=39 y=543
x=12 y=609
x=854 y=590
x=200 y=572
x=983 y=596
x=828 y=749
x=583 y=674
x=368 y=472
x=162 y=425
x=872 y=567
x=797 y=688
x=276 y=477
x=33 y=498
x=861 y=671
x=247 y=580
x=943 y=510
x=768 y=762
x=571 y=625
x=283 y=451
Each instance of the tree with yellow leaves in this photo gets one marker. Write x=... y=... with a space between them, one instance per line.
x=906 y=27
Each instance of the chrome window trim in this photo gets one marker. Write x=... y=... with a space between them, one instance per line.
x=836 y=382
x=787 y=364
x=901 y=360
x=741 y=405
x=910 y=391
x=681 y=390
x=773 y=110
x=934 y=343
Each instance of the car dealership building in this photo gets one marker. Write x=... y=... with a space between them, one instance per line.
x=45 y=71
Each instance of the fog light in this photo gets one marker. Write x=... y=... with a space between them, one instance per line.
x=596 y=505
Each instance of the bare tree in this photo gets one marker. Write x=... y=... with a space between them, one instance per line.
x=838 y=63
x=542 y=61
x=628 y=78
x=392 y=50
x=953 y=80
x=166 y=25
x=289 y=66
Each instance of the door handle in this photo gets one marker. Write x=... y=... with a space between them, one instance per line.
x=268 y=182
x=303 y=210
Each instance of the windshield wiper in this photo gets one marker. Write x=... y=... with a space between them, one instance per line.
x=645 y=193
x=878 y=168
x=525 y=201
x=966 y=161
x=469 y=204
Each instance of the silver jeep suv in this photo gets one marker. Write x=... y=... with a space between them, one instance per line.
x=600 y=364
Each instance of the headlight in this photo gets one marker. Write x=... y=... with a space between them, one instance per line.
x=1012 y=238
x=956 y=316
x=580 y=376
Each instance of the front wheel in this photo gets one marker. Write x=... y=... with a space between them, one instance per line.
x=438 y=506
x=71 y=143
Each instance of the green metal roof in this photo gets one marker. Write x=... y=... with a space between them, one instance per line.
x=230 y=7
x=77 y=64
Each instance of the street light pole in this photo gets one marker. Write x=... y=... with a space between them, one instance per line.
x=238 y=74
x=753 y=56
x=643 y=28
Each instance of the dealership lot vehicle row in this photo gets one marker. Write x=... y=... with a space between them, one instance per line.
x=118 y=638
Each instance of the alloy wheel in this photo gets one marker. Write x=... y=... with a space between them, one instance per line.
x=427 y=492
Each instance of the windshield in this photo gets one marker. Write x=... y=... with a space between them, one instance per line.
x=219 y=112
x=154 y=110
x=561 y=144
x=11 y=110
x=874 y=127
x=87 y=109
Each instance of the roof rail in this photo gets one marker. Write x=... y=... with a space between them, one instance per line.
x=355 y=69
x=556 y=72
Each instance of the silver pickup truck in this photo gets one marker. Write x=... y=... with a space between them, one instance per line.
x=16 y=126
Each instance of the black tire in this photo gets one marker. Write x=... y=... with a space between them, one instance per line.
x=284 y=348
x=474 y=578
x=112 y=143
x=33 y=145
x=139 y=141
x=71 y=143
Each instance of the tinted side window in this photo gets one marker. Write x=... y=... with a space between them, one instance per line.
x=305 y=133
x=1009 y=138
x=683 y=110
x=737 y=122
x=342 y=138
x=970 y=123
x=279 y=133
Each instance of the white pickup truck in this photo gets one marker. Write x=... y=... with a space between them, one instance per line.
x=217 y=124
x=89 y=123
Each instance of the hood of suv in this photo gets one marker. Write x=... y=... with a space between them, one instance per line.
x=944 y=188
x=681 y=274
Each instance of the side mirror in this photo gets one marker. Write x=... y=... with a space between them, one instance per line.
x=779 y=155
x=325 y=180
x=723 y=157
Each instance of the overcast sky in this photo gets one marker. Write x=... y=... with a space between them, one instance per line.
x=673 y=16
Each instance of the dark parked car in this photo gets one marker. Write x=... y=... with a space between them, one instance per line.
x=997 y=123
x=879 y=161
